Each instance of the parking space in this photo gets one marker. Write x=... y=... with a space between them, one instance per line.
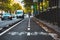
x=5 y=24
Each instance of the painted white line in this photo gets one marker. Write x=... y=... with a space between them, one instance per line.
x=10 y=28
x=29 y=23
x=53 y=35
x=28 y=33
x=28 y=28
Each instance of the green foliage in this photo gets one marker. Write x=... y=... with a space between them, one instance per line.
x=28 y=4
x=6 y=5
x=5 y=1
x=44 y=5
x=16 y=6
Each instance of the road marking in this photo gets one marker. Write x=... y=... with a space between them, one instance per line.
x=17 y=33
x=55 y=36
x=28 y=28
x=11 y=28
x=28 y=33
x=29 y=23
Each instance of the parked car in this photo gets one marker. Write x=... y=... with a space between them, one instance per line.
x=6 y=16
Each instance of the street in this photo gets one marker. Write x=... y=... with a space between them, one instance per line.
x=26 y=30
x=7 y=22
x=29 y=19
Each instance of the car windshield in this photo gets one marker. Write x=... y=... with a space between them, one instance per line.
x=6 y=14
x=18 y=12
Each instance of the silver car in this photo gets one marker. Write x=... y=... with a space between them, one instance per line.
x=6 y=16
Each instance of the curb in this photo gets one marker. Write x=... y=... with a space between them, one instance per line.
x=11 y=27
x=11 y=24
x=35 y=19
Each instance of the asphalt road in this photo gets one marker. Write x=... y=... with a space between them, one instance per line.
x=27 y=30
x=37 y=33
x=4 y=23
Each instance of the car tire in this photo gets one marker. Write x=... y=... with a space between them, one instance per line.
x=10 y=18
x=23 y=17
x=2 y=19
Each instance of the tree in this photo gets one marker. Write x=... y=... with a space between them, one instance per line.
x=5 y=1
x=28 y=4
x=4 y=4
x=13 y=8
x=16 y=6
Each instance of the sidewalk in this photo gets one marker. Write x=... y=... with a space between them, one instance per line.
x=54 y=27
